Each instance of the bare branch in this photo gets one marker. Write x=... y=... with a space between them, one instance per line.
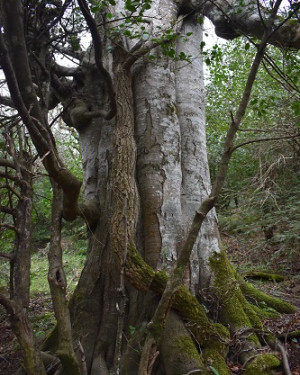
x=65 y=70
x=7 y=163
x=265 y=140
x=7 y=303
x=7 y=256
x=7 y=210
x=6 y=100
x=9 y=227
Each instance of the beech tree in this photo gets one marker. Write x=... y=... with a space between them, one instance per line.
x=157 y=294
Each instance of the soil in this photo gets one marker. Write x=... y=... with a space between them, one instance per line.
x=244 y=254
x=289 y=290
x=9 y=354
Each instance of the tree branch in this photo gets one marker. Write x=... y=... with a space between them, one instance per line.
x=65 y=71
x=7 y=163
x=7 y=210
x=7 y=256
x=97 y=42
x=230 y=24
x=9 y=227
x=7 y=303
x=6 y=100
x=264 y=140
x=16 y=68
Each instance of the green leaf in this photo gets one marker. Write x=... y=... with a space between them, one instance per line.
x=171 y=52
x=127 y=32
x=109 y=15
x=247 y=46
x=214 y=370
x=200 y=20
x=94 y=9
x=130 y=6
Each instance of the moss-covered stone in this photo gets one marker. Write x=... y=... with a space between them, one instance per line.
x=264 y=364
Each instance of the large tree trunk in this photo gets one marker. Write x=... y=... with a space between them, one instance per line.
x=167 y=115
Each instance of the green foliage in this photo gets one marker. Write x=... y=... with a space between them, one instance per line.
x=260 y=198
x=215 y=371
x=73 y=261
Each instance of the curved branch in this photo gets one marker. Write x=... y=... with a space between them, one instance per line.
x=7 y=256
x=7 y=303
x=265 y=140
x=7 y=210
x=6 y=100
x=9 y=227
x=7 y=163
x=65 y=71
x=98 y=58
x=230 y=24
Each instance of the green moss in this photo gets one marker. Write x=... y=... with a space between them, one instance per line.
x=214 y=359
x=69 y=363
x=191 y=308
x=187 y=346
x=233 y=311
x=252 y=315
x=265 y=313
x=218 y=339
x=50 y=342
x=264 y=364
x=263 y=300
x=216 y=348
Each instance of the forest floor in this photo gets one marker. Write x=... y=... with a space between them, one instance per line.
x=243 y=257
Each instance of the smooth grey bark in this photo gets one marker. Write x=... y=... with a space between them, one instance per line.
x=195 y=173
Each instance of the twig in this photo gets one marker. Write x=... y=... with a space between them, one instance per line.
x=265 y=140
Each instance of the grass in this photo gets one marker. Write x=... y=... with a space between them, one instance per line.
x=40 y=308
x=73 y=261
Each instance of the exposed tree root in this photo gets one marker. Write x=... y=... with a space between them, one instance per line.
x=236 y=314
x=261 y=299
x=263 y=364
x=264 y=275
